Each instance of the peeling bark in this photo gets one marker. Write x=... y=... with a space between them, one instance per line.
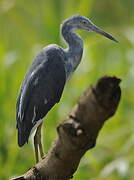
x=78 y=132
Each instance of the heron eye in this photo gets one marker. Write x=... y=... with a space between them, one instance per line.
x=84 y=22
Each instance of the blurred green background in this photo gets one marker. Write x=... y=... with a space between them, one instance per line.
x=27 y=26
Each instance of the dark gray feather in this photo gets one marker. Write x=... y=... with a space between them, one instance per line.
x=41 y=89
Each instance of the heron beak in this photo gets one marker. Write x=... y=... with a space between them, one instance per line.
x=94 y=28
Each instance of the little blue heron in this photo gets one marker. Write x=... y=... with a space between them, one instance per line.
x=44 y=82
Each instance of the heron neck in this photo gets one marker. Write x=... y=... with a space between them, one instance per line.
x=75 y=49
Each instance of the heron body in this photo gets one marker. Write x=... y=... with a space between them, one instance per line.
x=44 y=82
x=41 y=89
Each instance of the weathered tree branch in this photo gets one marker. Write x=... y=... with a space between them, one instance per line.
x=78 y=132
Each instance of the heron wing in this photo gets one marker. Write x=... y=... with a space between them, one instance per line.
x=39 y=93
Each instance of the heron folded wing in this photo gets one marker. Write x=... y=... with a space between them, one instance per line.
x=41 y=91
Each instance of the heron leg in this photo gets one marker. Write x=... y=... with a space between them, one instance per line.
x=39 y=141
x=36 y=146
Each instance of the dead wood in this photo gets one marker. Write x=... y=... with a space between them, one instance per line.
x=78 y=132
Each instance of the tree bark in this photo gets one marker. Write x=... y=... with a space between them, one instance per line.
x=78 y=132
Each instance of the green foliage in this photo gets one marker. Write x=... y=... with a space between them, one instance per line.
x=27 y=26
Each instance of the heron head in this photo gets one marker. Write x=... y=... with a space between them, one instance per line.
x=82 y=22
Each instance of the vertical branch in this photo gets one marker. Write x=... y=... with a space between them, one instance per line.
x=78 y=132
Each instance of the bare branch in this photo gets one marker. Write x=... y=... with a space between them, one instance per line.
x=78 y=132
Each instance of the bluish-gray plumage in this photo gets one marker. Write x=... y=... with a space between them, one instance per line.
x=41 y=89
x=44 y=83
